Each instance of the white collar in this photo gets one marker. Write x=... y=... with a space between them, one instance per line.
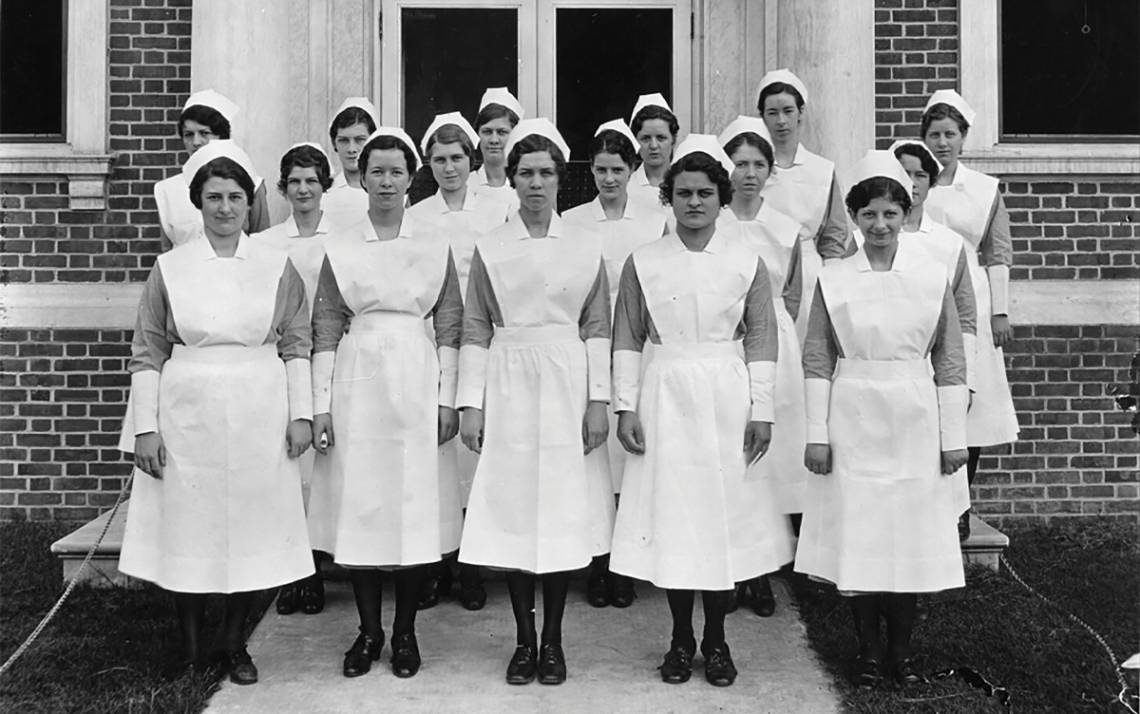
x=518 y=229
x=201 y=249
x=292 y=231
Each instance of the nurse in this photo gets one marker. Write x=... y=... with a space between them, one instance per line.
x=346 y=202
x=698 y=415
x=207 y=115
x=773 y=236
x=499 y=112
x=803 y=185
x=970 y=203
x=536 y=351
x=624 y=224
x=884 y=435
x=384 y=401
x=656 y=127
x=220 y=411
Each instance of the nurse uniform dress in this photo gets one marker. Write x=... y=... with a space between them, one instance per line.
x=181 y=221
x=775 y=238
x=536 y=344
x=478 y=183
x=219 y=367
x=690 y=517
x=344 y=205
x=885 y=518
x=646 y=194
x=637 y=226
x=379 y=502
x=972 y=207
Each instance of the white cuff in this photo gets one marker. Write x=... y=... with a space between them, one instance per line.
x=144 y=394
x=598 y=369
x=970 y=347
x=999 y=290
x=472 y=376
x=323 y=363
x=299 y=378
x=952 y=403
x=448 y=375
x=627 y=380
x=817 y=404
x=762 y=387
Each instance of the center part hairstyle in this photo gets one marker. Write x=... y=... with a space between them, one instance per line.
x=751 y=138
x=305 y=157
x=610 y=141
x=779 y=88
x=534 y=143
x=450 y=134
x=351 y=116
x=225 y=168
x=704 y=163
x=653 y=111
x=867 y=190
x=382 y=143
x=207 y=117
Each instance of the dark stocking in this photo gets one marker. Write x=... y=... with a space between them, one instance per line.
x=238 y=606
x=191 y=608
x=366 y=589
x=408 y=582
x=521 y=587
x=865 y=611
x=973 y=455
x=900 y=609
x=681 y=608
x=554 y=588
x=715 y=602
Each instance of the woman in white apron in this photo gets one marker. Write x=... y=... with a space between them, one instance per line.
x=803 y=185
x=970 y=203
x=774 y=236
x=624 y=224
x=355 y=119
x=461 y=215
x=499 y=112
x=536 y=353
x=220 y=411
x=885 y=377
x=700 y=413
x=655 y=126
x=384 y=402
x=305 y=176
x=206 y=116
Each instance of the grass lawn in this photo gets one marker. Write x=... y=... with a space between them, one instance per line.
x=105 y=651
x=1090 y=568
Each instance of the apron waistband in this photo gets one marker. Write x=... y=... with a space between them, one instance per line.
x=698 y=350
x=224 y=353
x=883 y=369
x=377 y=322
x=536 y=335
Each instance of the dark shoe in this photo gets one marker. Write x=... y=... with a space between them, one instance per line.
x=964 y=527
x=551 y=665
x=678 y=664
x=364 y=651
x=288 y=598
x=471 y=593
x=240 y=666
x=867 y=672
x=523 y=665
x=719 y=669
x=429 y=595
x=598 y=586
x=906 y=673
x=621 y=592
x=313 y=594
x=405 y=655
x=763 y=602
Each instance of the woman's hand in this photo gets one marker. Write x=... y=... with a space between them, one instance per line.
x=299 y=436
x=595 y=425
x=757 y=436
x=953 y=460
x=323 y=438
x=817 y=458
x=150 y=453
x=471 y=429
x=448 y=424
x=1003 y=333
x=629 y=432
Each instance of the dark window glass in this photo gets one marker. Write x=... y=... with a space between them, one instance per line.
x=32 y=66
x=1070 y=68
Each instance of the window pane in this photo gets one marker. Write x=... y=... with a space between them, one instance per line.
x=1070 y=67
x=32 y=67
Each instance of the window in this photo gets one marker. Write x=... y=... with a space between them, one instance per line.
x=32 y=61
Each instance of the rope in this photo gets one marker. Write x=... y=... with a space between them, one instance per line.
x=70 y=586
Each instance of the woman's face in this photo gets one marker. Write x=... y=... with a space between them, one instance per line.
x=386 y=179
x=349 y=142
x=536 y=181
x=450 y=165
x=751 y=172
x=303 y=189
x=783 y=118
x=611 y=175
x=492 y=138
x=195 y=135
x=656 y=143
x=696 y=200
x=918 y=176
x=945 y=139
x=224 y=206
x=880 y=222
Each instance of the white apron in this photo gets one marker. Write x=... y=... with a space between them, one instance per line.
x=345 y=205
x=477 y=182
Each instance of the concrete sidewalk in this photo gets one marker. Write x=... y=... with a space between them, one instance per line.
x=612 y=657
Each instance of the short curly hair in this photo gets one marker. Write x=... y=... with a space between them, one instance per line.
x=867 y=190
x=704 y=163
x=530 y=144
x=305 y=157
x=225 y=168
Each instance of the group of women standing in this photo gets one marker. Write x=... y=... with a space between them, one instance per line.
x=646 y=343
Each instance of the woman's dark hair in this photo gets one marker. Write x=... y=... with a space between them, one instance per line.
x=207 y=117
x=929 y=165
x=779 y=88
x=493 y=111
x=382 y=143
x=655 y=112
x=305 y=157
x=943 y=111
x=751 y=138
x=704 y=163
x=867 y=190
x=451 y=134
x=225 y=168
x=534 y=143
x=351 y=117
x=613 y=142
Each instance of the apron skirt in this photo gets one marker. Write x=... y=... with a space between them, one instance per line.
x=991 y=419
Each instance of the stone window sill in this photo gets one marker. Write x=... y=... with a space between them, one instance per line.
x=86 y=173
x=1055 y=159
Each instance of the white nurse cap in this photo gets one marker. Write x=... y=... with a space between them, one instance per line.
x=649 y=100
x=882 y=164
x=706 y=144
x=540 y=126
x=920 y=146
x=620 y=127
x=214 y=100
x=743 y=124
x=952 y=98
x=398 y=133
x=442 y=120
x=785 y=76
x=217 y=149
x=503 y=97
x=359 y=103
